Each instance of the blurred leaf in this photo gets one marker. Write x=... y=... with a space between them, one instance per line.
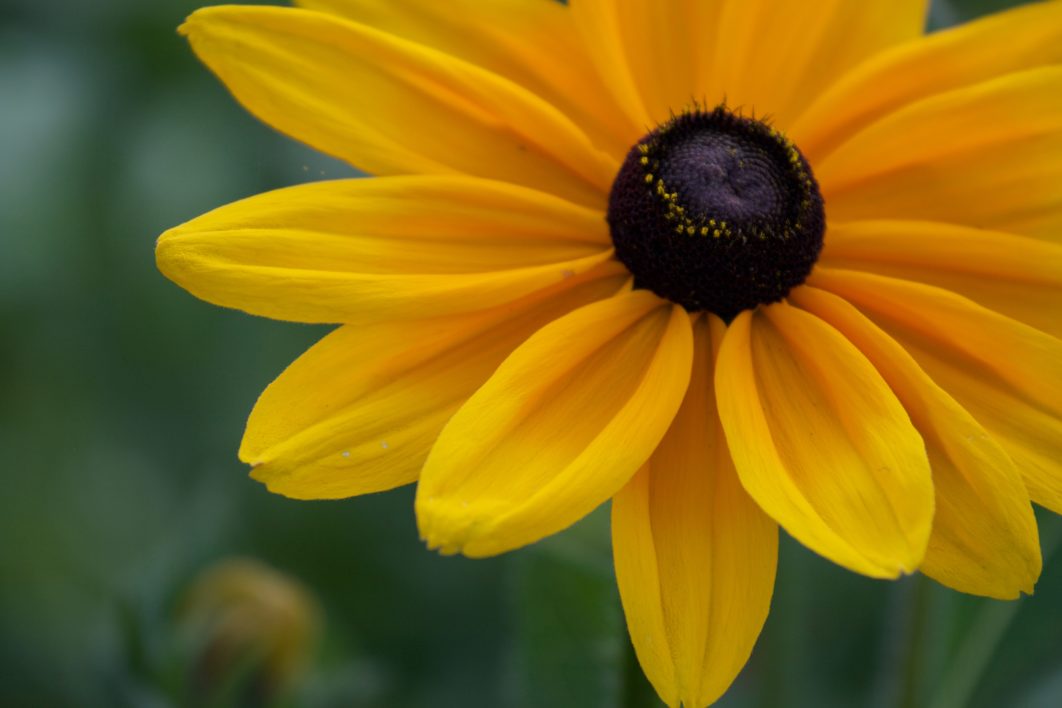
x=1046 y=694
x=570 y=635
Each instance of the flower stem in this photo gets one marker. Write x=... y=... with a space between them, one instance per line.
x=981 y=641
x=911 y=683
x=637 y=691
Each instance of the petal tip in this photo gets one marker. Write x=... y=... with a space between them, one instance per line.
x=164 y=252
x=440 y=529
x=186 y=28
x=453 y=527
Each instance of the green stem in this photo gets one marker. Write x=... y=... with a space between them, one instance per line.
x=914 y=659
x=973 y=656
x=637 y=691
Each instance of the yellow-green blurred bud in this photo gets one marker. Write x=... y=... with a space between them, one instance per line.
x=248 y=623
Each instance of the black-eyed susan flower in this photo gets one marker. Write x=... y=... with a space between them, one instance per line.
x=730 y=264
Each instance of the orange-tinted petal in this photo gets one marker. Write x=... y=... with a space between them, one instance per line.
x=821 y=442
x=1006 y=374
x=358 y=412
x=695 y=557
x=968 y=54
x=651 y=56
x=531 y=42
x=368 y=249
x=774 y=56
x=988 y=155
x=559 y=428
x=1014 y=275
x=391 y=106
x=984 y=538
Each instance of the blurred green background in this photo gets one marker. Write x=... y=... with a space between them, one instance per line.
x=122 y=400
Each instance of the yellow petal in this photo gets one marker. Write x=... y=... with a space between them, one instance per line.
x=984 y=538
x=695 y=557
x=559 y=428
x=530 y=42
x=359 y=411
x=989 y=156
x=1013 y=354
x=1016 y=276
x=390 y=106
x=821 y=443
x=1020 y=38
x=1006 y=374
x=774 y=56
x=651 y=55
x=368 y=249
x=601 y=27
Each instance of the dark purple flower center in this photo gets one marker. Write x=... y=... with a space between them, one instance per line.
x=716 y=212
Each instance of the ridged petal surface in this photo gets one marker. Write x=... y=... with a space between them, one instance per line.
x=391 y=106
x=1004 y=43
x=359 y=411
x=984 y=538
x=559 y=428
x=1006 y=374
x=821 y=442
x=533 y=43
x=1016 y=276
x=695 y=556
x=987 y=155
x=364 y=250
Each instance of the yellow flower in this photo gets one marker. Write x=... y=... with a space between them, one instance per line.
x=892 y=400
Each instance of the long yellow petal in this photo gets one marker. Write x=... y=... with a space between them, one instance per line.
x=984 y=538
x=601 y=27
x=391 y=106
x=530 y=42
x=369 y=249
x=695 y=557
x=774 y=56
x=359 y=411
x=821 y=443
x=1006 y=374
x=559 y=428
x=989 y=155
x=1014 y=275
x=1017 y=39
x=650 y=53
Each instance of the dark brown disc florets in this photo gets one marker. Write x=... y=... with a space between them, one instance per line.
x=716 y=212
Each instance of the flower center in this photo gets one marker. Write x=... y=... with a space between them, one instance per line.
x=716 y=212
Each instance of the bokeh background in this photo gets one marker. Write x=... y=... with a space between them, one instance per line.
x=122 y=400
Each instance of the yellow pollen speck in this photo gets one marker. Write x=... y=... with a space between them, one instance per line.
x=704 y=231
x=717 y=233
x=644 y=160
x=690 y=230
x=649 y=179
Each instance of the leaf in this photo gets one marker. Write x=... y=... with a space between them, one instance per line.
x=570 y=639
